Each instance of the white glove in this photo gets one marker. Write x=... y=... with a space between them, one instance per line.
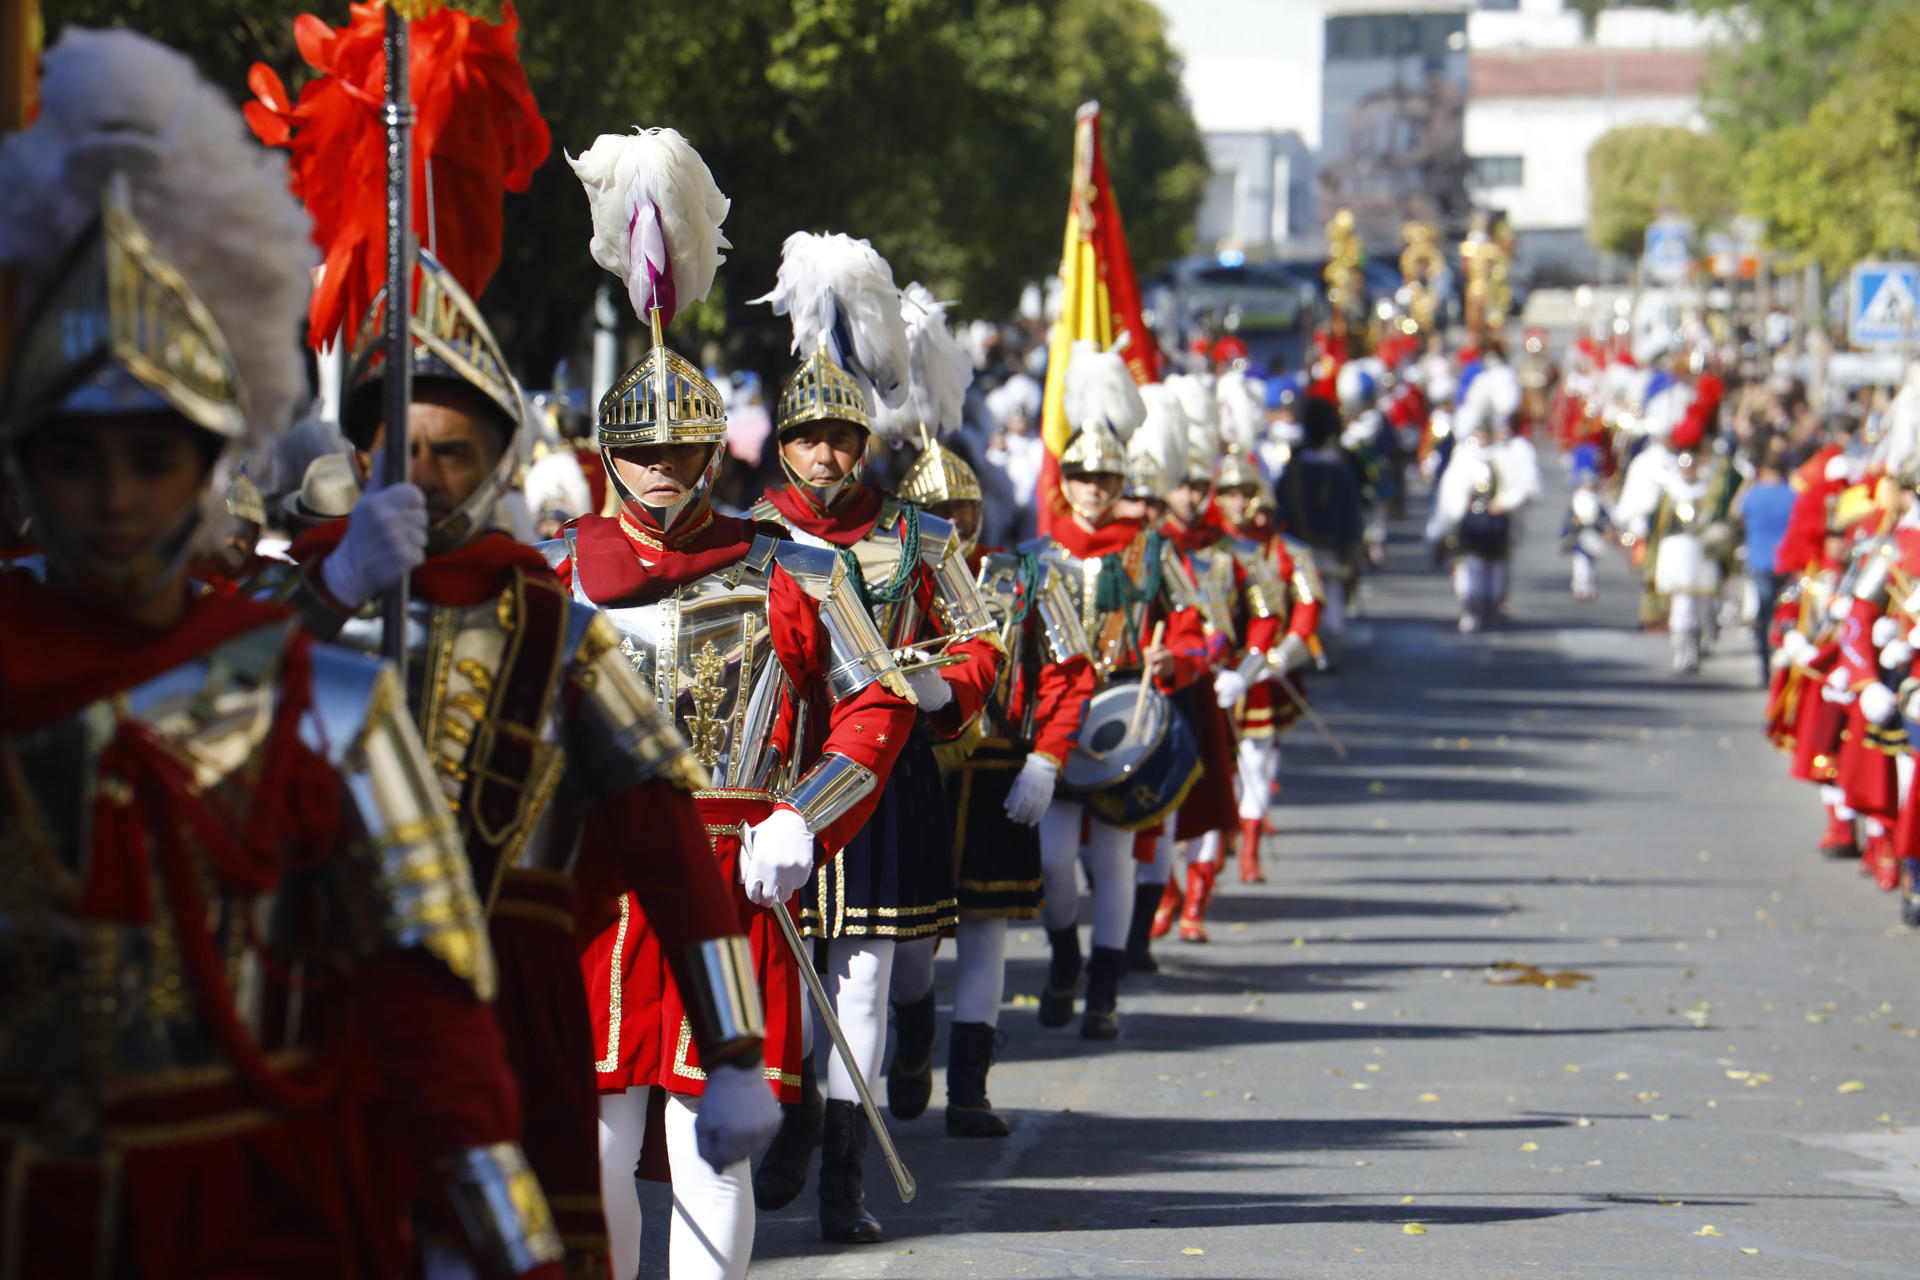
x=1884 y=631
x=738 y=1116
x=777 y=858
x=1835 y=689
x=1228 y=688
x=930 y=689
x=386 y=540
x=1896 y=656
x=1878 y=704
x=1032 y=790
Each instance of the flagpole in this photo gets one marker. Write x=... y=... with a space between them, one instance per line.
x=398 y=115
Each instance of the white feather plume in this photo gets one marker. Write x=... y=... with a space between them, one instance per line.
x=840 y=294
x=214 y=201
x=1196 y=395
x=1242 y=405
x=1162 y=437
x=1166 y=414
x=939 y=371
x=1099 y=387
x=656 y=217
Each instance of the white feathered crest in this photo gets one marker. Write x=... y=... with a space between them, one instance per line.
x=938 y=373
x=215 y=202
x=1242 y=405
x=656 y=217
x=1196 y=395
x=1162 y=435
x=840 y=295
x=1099 y=388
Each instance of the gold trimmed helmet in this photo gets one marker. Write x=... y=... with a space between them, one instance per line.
x=663 y=399
x=244 y=500
x=1237 y=471
x=1094 y=450
x=939 y=475
x=449 y=341
x=821 y=391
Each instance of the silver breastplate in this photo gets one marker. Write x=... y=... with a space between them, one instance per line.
x=1213 y=579
x=706 y=652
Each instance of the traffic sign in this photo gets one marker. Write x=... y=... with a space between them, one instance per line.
x=1669 y=251
x=1883 y=304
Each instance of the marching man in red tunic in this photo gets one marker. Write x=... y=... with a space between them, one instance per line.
x=244 y=972
x=762 y=652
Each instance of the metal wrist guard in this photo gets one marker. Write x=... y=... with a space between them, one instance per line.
x=501 y=1208
x=1290 y=654
x=722 y=1000
x=1253 y=667
x=829 y=790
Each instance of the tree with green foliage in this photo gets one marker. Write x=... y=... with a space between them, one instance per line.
x=942 y=130
x=1638 y=172
x=1843 y=184
x=1788 y=55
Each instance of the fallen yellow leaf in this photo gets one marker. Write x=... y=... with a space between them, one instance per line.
x=1584 y=1123
x=1744 y=1249
x=1413 y=1229
x=1529 y=1146
x=1852 y=1086
x=1406 y=1199
x=1194 y=1253
x=1708 y=1231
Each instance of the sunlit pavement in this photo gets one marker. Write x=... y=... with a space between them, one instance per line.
x=1341 y=1084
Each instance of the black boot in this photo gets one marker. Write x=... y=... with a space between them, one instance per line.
x=1146 y=900
x=1063 y=977
x=782 y=1174
x=910 y=1078
x=970 y=1048
x=843 y=1213
x=1102 y=1019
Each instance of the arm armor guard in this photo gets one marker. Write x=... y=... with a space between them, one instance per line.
x=501 y=1208
x=859 y=655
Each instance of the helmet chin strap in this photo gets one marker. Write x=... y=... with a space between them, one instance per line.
x=663 y=518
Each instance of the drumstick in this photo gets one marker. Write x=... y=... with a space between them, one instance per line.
x=1146 y=678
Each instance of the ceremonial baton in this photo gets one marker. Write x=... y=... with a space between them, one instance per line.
x=901 y=1178
x=1313 y=718
x=398 y=115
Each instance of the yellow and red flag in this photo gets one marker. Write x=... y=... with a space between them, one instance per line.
x=1100 y=300
x=21 y=35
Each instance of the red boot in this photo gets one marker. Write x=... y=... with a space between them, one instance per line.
x=1839 y=840
x=1250 y=872
x=1193 y=920
x=1170 y=903
x=1882 y=863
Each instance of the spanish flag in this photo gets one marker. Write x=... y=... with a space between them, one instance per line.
x=1100 y=300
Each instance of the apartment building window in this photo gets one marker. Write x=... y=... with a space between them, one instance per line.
x=1395 y=35
x=1496 y=171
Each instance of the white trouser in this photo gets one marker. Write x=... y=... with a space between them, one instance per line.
x=913 y=969
x=1473 y=579
x=1258 y=761
x=858 y=976
x=1500 y=578
x=1582 y=573
x=1903 y=774
x=1107 y=857
x=981 y=977
x=1836 y=799
x=1333 y=610
x=1683 y=613
x=1202 y=850
x=712 y=1233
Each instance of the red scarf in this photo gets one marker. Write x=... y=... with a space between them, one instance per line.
x=851 y=519
x=1111 y=537
x=457 y=579
x=59 y=652
x=1197 y=538
x=620 y=565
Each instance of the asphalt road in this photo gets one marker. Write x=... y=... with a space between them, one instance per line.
x=1340 y=1084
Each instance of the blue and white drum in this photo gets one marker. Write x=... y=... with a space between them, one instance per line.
x=1131 y=777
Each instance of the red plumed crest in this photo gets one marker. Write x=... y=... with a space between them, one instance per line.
x=478 y=133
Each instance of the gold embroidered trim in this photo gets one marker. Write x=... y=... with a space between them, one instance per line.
x=687 y=1071
x=612 y=1061
x=648 y=539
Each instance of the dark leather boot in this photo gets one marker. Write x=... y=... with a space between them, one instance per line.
x=910 y=1078
x=843 y=1203
x=1102 y=1018
x=1063 y=977
x=1146 y=904
x=970 y=1051
x=782 y=1174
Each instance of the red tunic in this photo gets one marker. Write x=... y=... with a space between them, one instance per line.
x=308 y=1169
x=640 y=1023
x=1267 y=711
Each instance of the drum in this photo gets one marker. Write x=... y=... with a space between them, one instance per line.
x=1131 y=781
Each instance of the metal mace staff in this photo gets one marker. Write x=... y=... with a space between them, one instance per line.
x=398 y=115
x=901 y=1178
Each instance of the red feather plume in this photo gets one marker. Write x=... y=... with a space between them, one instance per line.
x=477 y=127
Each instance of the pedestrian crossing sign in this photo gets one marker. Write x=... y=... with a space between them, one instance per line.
x=1883 y=304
